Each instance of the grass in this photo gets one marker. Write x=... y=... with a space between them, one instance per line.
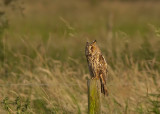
x=43 y=56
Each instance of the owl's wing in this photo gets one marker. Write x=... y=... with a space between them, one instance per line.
x=103 y=68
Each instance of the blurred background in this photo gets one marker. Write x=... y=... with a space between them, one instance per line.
x=43 y=69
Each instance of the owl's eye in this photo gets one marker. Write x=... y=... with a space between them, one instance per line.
x=92 y=48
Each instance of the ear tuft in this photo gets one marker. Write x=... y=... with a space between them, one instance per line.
x=94 y=41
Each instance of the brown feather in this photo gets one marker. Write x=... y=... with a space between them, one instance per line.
x=97 y=64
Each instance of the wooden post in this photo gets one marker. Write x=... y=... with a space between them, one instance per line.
x=94 y=96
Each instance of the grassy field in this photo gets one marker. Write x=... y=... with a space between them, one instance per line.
x=43 y=69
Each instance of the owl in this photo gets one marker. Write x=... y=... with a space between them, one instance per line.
x=97 y=64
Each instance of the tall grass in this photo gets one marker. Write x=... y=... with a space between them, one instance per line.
x=45 y=67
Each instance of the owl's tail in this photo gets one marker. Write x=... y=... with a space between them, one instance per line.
x=103 y=88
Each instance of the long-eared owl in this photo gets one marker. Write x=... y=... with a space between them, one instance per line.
x=97 y=64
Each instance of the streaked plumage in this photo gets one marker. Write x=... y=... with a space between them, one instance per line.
x=97 y=64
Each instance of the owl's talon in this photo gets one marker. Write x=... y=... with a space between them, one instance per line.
x=95 y=78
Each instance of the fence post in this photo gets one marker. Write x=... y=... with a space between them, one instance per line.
x=94 y=96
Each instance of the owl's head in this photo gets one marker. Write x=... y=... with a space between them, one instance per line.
x=91 y=48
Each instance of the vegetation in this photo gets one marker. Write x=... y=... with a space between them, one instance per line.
x=43 y=68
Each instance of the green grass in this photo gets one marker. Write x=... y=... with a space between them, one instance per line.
x=46 y=46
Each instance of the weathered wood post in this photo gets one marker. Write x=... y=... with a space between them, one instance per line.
x=94 y=96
